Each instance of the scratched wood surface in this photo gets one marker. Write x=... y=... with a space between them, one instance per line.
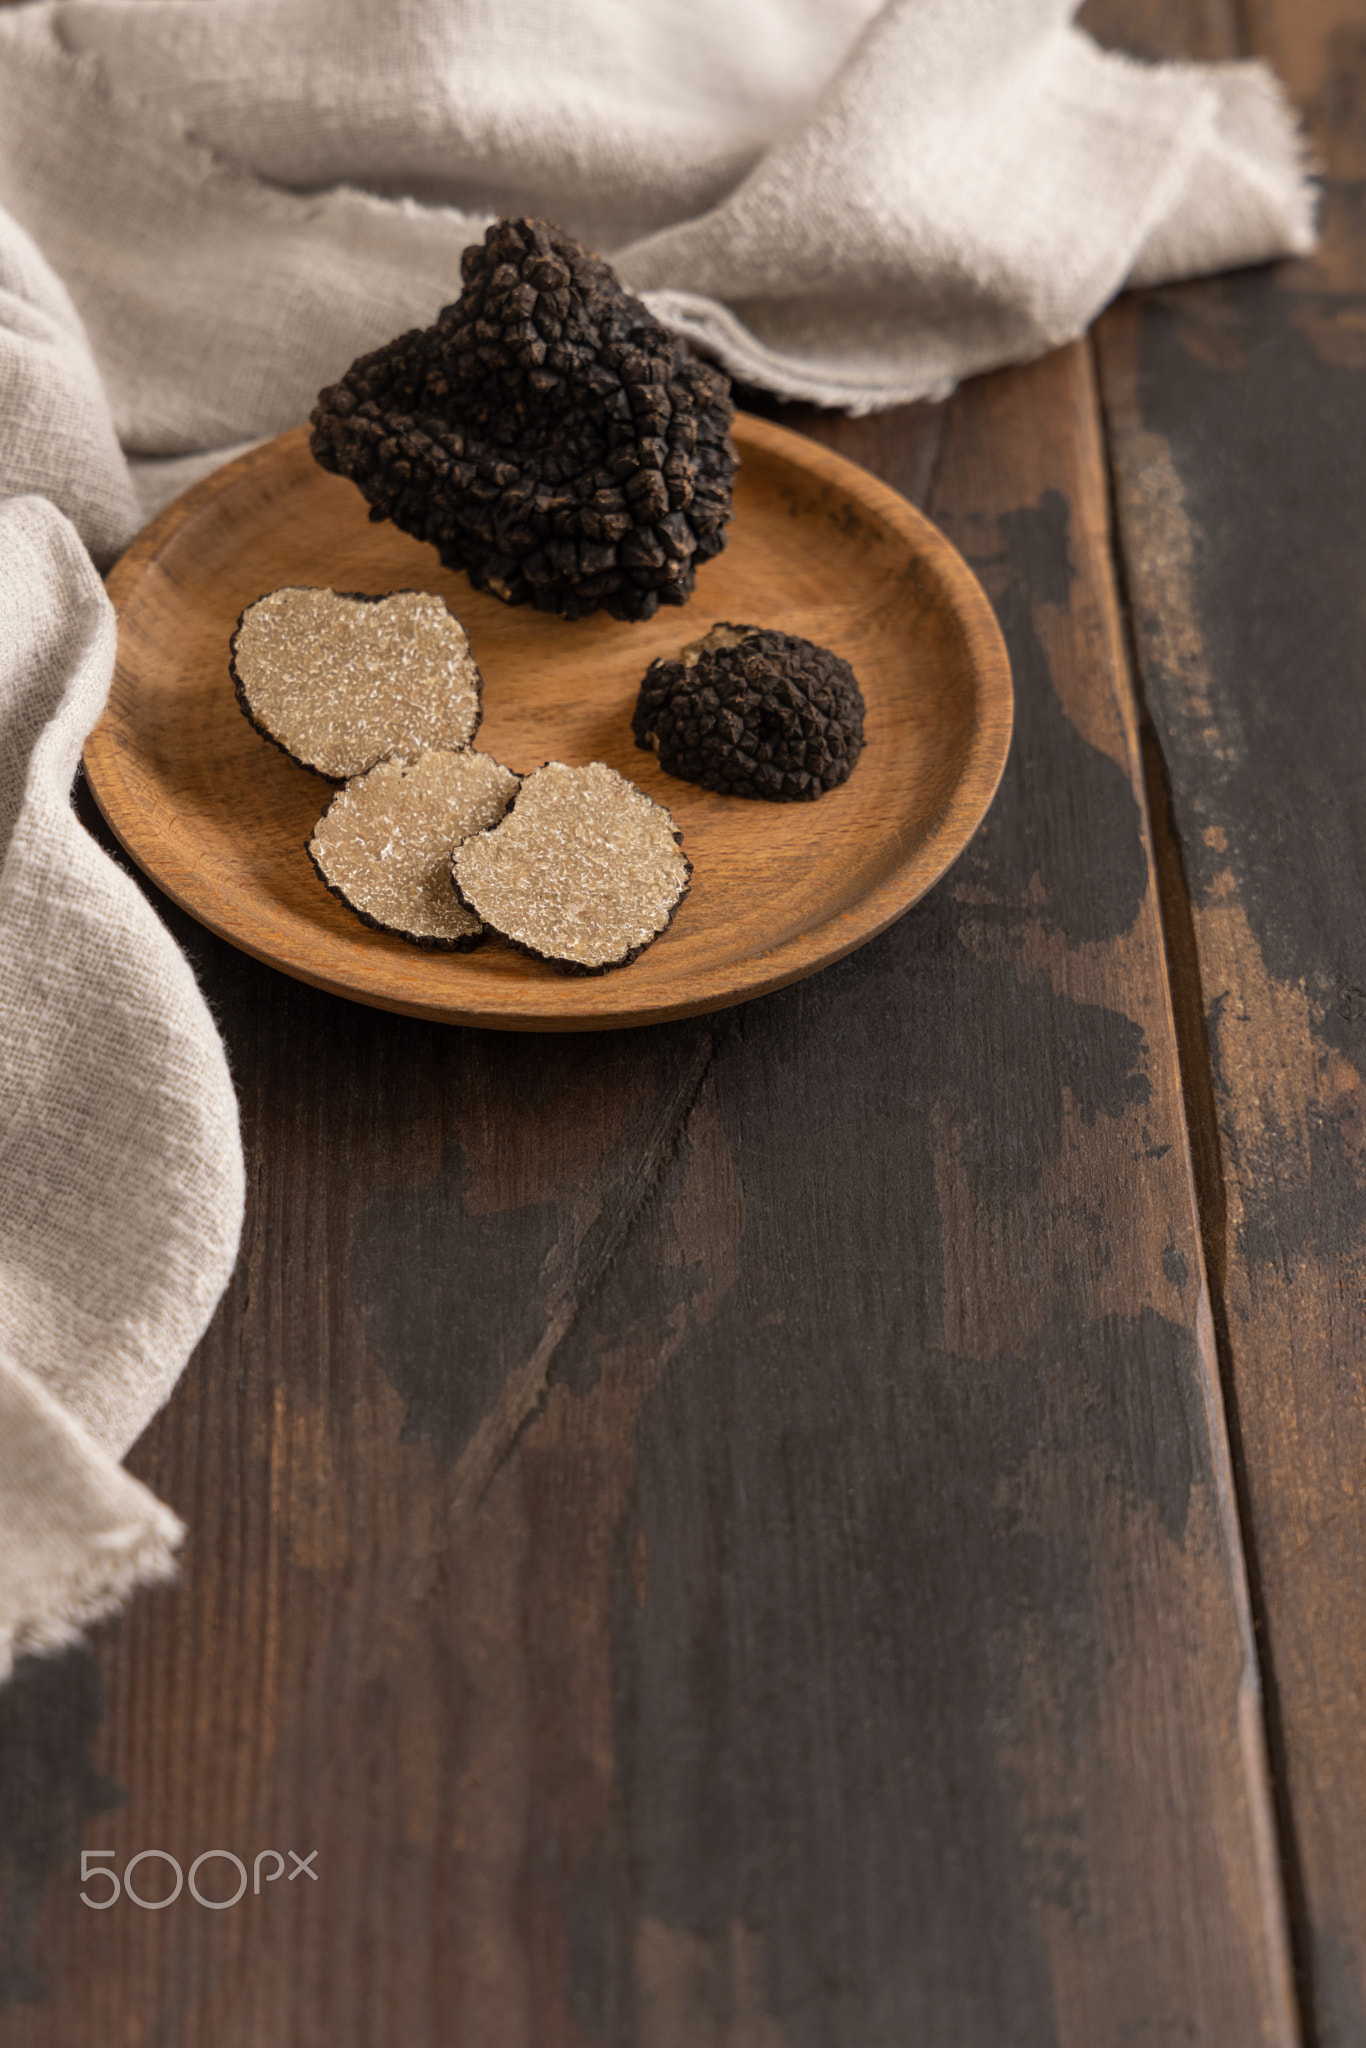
x=719 y=1534
x=723 y=1536
x=1237 y=415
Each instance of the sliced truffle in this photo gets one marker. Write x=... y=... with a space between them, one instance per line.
x=750 y=712
x=547 y=434
x=585 y=870
x=384 y=843
x=340 y=681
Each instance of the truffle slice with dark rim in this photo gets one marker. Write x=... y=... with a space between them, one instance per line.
x=340 y=681
x=384 y=843
x=747 y=711
x=546 y=434
x=585 y=870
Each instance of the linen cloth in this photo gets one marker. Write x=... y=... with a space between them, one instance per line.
x=120 y=1166
x=207 y=209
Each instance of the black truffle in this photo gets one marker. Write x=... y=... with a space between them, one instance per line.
x=750 y=712
x=547 y=435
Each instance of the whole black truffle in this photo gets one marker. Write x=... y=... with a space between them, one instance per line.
x=547 y=435
x=749 y=712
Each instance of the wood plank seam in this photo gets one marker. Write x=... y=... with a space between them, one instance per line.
x=524 y=1394
x=932 y=460
x=1207 y=1164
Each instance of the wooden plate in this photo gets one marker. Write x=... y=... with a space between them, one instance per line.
x=218 y=818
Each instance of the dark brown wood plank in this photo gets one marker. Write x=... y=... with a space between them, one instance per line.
x=852 y=1648
x=1202 y=29
x=1237 y=412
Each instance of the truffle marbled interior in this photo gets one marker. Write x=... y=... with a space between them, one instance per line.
x=384 y=843
x=585 y=871
x=340 y=682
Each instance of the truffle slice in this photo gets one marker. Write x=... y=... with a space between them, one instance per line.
x=384 y=843
x=750 y=712
x=340 y=681
x=547 y=434
x=585 y=871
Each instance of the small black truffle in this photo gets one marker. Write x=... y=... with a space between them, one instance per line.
x=750 y=712
x=547 y=434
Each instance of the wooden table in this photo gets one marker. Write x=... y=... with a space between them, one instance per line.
x=926 y=1603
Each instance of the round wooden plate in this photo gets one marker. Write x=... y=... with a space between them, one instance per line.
x=219 y=819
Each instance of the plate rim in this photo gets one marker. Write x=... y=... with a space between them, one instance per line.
x=798 y=956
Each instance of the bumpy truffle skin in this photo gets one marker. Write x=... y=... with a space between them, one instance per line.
x=750 y=712
x=547 y=435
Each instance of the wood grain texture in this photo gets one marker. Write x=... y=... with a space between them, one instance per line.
x=719 y=1535
x=1237 y=414
x=1203 y=29
x=220 y=819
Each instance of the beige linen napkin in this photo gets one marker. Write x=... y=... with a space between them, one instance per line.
x=207 y=208
x=120 y=1168
x=851 y=203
